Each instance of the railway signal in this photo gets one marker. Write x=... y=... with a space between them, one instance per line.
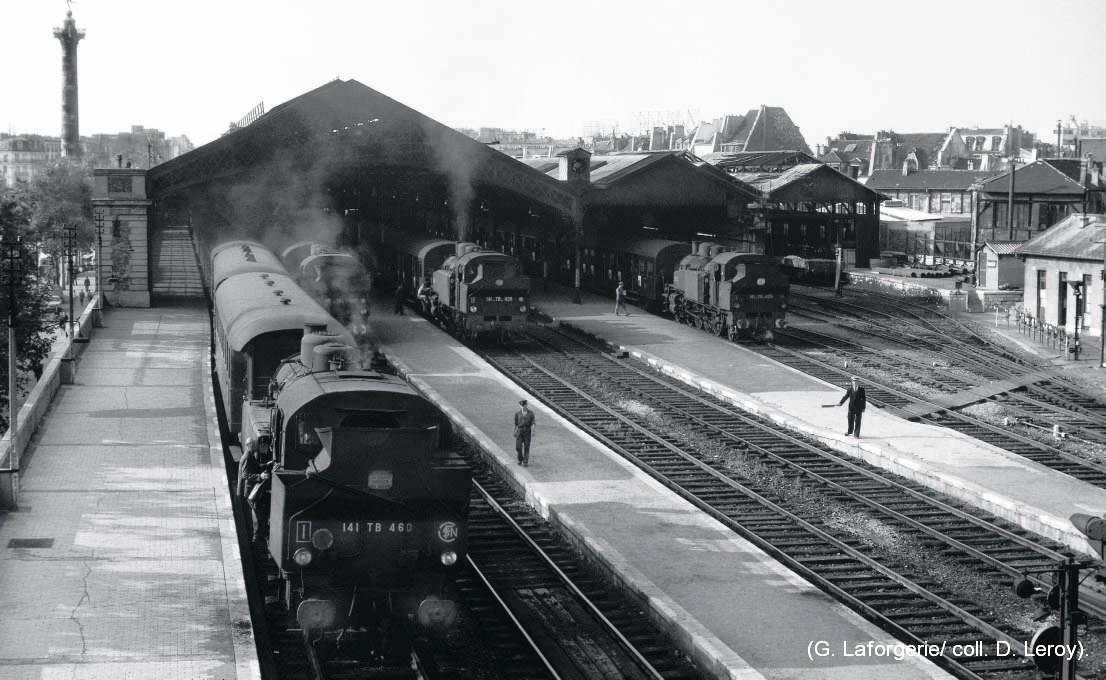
x=1055 y=649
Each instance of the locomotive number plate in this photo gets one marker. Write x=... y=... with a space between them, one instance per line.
x=378 y=527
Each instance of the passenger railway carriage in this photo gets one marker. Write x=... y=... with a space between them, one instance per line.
x=259 y=322
x=645 y=266
x=242 y=257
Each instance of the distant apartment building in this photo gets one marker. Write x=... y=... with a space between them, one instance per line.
x=141 y=147
x=861 y=155
x=22 y=157
x=990 y=149
x=768 y=128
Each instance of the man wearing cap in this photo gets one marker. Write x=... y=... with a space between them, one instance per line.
x=524 y=427
x=857 y=401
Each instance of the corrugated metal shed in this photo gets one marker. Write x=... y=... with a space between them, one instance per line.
x=1077 y=237
x=1004 y=247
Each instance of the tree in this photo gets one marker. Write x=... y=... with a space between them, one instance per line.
x=34 y=331
x=61 y=197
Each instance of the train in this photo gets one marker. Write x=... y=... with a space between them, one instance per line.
x=335 y=277
x=815 y=271
x=355 y=500
x=470 y=291
x=731 y=294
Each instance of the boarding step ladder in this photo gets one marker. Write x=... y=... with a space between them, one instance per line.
x=176 y=269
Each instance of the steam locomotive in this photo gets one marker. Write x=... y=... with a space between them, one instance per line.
x=362 y=510
x=335 y=278
x=737 y=295
x=468 y=290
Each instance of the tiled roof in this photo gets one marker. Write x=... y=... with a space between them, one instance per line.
x=1053 y=176
x=753 y=161
x=941 y=180
x=1076 y=237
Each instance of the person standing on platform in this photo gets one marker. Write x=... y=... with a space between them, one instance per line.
x=401 y=292
x=524 y=428
x=87 y=287
x=857 y=401
x=620 y=300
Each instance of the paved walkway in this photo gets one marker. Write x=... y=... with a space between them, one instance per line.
x=122 y=560
x=1010 y=486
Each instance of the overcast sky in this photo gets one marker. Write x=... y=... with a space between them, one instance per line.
x=913 y=66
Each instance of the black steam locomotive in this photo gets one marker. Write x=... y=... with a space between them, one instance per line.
x=468 y=290
x=737 y=295
x=362 y=510
x=335 y=277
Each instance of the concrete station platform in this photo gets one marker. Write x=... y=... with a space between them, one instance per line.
x=736 y=611
x=122 y=559
x=1005 y=484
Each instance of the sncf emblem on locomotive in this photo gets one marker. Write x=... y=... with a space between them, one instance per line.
x=447 y=531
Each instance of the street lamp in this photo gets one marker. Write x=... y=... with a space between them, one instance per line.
x=70 y=242
x=99 y=221
x=13 y=253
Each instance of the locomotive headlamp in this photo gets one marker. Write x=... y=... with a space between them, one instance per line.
x=322 y=539
x=472 y=308
x=302 y=557
x=449 y=558
x=522 y=308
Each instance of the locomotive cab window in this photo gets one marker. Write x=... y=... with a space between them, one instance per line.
x=377 y=420
x=306 y=439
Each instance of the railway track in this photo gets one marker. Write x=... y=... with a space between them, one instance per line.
x=1039 y=405
x=1078 y=465
x=912 y=607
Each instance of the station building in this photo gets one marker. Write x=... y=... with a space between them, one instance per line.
x=807 y=208
x=342 y=160
x=1068 y=252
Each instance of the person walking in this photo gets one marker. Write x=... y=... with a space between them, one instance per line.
x=87 y=286
x=620 y=300
x=401 y=292
x=524 y=429
x=857 y=401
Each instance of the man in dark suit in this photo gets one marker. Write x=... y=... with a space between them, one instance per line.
x=524 y=428
x=857 y=401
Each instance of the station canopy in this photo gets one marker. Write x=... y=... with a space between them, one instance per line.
x=347 y=129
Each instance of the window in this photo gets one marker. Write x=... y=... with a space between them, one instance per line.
x=1042 y=284
x=969 y=142
x=996 y=143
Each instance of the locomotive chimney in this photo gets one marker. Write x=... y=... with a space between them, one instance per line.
x=314 y=334
x=69 y=36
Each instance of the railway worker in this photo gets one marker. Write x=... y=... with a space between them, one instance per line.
x=424 y=295
x=524 y=429
x=401 y=292
x=620 y=300
x=857 y=401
